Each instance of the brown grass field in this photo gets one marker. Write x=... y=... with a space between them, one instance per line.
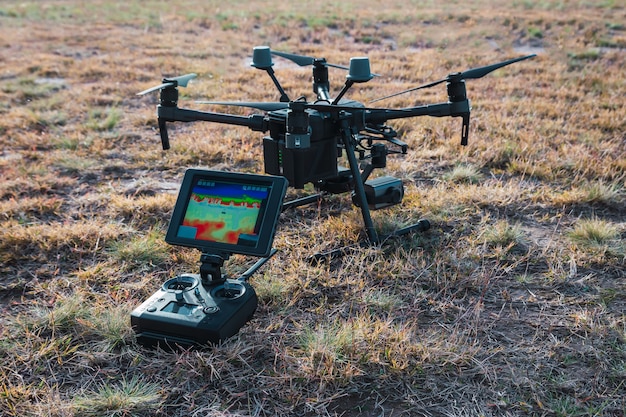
x=512 y=304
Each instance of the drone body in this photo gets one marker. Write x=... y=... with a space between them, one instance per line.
x=306 y=139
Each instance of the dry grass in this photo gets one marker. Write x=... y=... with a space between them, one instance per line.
x=512 y=304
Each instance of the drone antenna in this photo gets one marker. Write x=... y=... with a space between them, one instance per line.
x=346 y=87
x=262 y=59
x=359 y=73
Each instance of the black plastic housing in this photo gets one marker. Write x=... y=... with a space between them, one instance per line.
x=208 y=318
x=300 y=166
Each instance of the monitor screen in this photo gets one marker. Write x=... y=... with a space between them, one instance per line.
x=225 y=212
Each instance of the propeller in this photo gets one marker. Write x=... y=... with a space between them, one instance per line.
x=329 y=107
x=271 y=106
x=181 y=81
x=304 y=60
x=459 y=76
x=265 y=106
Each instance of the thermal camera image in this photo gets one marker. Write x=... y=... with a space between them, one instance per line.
x=223 y=212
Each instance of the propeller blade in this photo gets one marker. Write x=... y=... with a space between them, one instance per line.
x=473 y=73
x=304 y=60
x=338 y=66
x=482 y=71
x=181 y=80
x=270 y=106
x=151 y=89
x=329 y=108
x=410 y=89
x=301 y=60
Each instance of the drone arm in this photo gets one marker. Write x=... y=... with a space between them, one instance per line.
x=452 y=108
x=255 y=122
x=458 y=108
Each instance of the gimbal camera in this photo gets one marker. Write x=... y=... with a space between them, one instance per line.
x=306 y=139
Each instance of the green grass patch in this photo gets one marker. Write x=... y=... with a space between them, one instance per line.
x=127 y=396
x=594 y=232
x=141 y=249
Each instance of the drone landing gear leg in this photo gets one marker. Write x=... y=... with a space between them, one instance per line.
x=359 y=189
x=361 y=198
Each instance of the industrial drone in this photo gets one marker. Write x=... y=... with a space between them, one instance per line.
x=221 y=213
x=306 y=139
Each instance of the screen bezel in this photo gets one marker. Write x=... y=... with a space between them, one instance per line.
x=277 y=188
